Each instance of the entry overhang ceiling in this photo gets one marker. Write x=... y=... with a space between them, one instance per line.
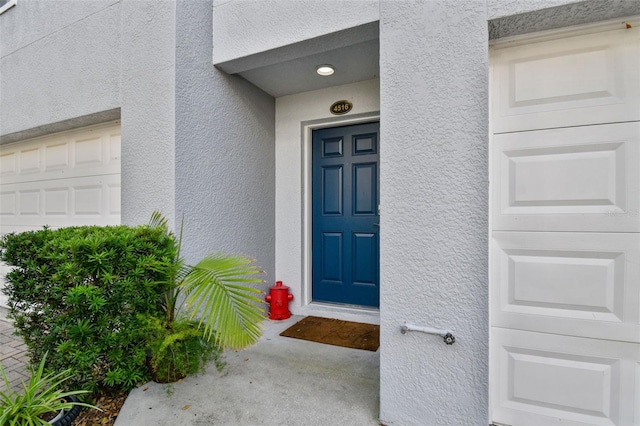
x=292 y=69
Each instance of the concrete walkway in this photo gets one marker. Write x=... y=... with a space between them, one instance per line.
x=280 y=381
x=13 y=357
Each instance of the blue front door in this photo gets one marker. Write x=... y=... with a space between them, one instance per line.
x=345 y=215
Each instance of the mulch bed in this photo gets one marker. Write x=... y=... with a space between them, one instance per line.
x=110 y=406
x=336 y=332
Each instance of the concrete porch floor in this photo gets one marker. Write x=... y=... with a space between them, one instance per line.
x=279 y=381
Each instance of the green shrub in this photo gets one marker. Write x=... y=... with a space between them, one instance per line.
x=214 y=291
x=77 y=293
x=228 y=312
x=179 y=349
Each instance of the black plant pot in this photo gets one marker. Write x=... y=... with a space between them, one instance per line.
x=70 y=415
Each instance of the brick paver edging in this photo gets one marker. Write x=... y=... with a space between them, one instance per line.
x=13 y=357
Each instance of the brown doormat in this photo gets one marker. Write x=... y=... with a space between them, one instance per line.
x=336 y=332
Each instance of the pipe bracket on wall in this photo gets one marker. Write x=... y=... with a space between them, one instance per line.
x=448 y=337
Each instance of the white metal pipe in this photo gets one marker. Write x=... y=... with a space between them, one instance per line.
x=429 y=330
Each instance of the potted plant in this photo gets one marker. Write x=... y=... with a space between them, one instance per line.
x=208 y=308
x=42 y=401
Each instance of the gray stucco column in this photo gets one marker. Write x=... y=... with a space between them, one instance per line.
x=225 y=150
x=148 y=109
x=434 y=194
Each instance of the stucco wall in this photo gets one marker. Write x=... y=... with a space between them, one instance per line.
x=148 y=79
x=225 y=167
x=74 y=63
x=434 y=192
x=58 y=60
x=245 y=27
x=502 y=8
x=509 y=18
x=293 y=113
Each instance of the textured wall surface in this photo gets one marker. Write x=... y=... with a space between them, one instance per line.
x=556 y=17
x=148 y=109
x=224 y=150
x=434 y=191
x=245 y=27
x=501 y=8
x=74 y=63
x=291 y=185
x=58 y=60
x=33 y=20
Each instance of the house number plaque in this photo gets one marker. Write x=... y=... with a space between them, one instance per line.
x=341 y=107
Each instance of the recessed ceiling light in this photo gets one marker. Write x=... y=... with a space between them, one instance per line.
x=325 y=70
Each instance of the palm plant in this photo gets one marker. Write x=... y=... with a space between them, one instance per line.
x=42 y=395
x=215 y=291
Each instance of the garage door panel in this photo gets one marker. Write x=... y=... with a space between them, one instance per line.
x=76 y=154
x=56 y=156
x=582 y=284
x=550 y=379
x=88 y=152
x=29 y=202
x=565 y=228
x=29 y=160
x=62 y=202
x=8 y=164
x=581 y=80
x=573 y=179
x=56 y=201
x=113 y=198
x=65 y=179
x=8 y=203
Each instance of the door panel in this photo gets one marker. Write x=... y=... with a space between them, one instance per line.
x=581 y=80
x=332 y=257
x=580 y=284
x=345 y=241
x=332 y=185
x=549 y=379
x=365 y=192
x=365 y=248
x=574 y=179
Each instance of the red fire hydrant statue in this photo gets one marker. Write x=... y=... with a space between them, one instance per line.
x=279 y=298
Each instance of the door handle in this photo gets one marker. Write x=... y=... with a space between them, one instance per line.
x=376 y=224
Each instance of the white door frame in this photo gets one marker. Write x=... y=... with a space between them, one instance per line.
x=307 y=194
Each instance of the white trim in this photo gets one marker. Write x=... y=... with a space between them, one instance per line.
x=490 y=96
x=296 y=116
x=8 y=5
x=574 y=30
x=342 y=312
x=307 y=260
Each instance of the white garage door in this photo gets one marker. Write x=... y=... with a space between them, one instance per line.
x=64 y=179
x=565 y=230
